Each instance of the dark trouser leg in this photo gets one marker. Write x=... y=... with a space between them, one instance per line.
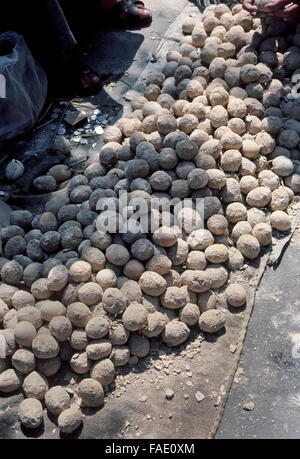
x=59 y=26
x=43 y=25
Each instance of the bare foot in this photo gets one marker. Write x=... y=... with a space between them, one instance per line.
x=129 y=13
x=89 y=79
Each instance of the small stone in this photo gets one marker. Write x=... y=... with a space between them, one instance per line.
x=10 y=381
x=249 y=406
x=232 y=348
x=169 y=394
x=61 y=144
x=35 y=386
x=199 y=396
x=69 y=420
x=143 y=399
x=57 y=400
x=133 y=361
x=91 y=393
x=14 y=170
x=31 y=413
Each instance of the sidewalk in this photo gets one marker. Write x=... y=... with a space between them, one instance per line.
x=269 y=367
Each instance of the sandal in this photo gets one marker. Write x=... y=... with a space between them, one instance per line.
x=128 y=14
x=90 y=81
x=76 y=81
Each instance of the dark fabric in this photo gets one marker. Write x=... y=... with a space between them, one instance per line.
x=42 y=24
x=25 y=87
x=131 y=6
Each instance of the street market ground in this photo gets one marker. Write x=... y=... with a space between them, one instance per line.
x=267 y=373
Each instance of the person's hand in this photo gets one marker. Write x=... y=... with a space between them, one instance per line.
x=275 y=5
x=248 y=5
x=291 y=13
